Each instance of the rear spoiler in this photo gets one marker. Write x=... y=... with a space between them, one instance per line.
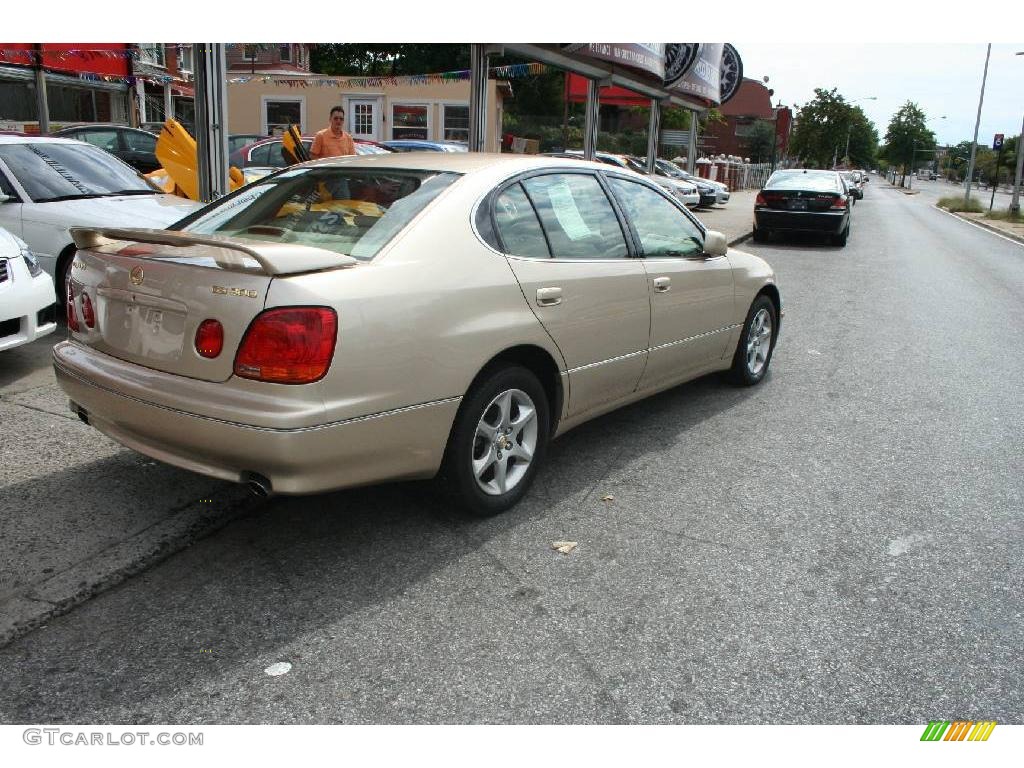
x=273 y=258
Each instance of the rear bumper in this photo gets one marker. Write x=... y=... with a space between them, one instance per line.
x=831 y=222
x=405 y=443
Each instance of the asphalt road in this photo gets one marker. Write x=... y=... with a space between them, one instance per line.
x=839 y=545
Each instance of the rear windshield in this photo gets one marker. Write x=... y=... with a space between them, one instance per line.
x=346 y=210
x=814 y=181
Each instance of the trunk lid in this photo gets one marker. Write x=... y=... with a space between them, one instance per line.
x=150 y=289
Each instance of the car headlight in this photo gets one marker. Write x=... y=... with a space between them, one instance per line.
x=31 y=262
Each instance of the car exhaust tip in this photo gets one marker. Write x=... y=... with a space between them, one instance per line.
x=257 y=484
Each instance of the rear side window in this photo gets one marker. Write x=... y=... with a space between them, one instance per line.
x=577 y=216
x=518 y=226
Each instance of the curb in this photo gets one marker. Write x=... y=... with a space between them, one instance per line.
x=36 y=604
x=741 y=239
x=986 y=225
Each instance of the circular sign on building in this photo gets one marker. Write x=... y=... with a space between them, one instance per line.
x=679 y=58
x=731 y=73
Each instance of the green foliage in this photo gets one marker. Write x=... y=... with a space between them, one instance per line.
x=387 y=59
x=758 y=143
x=1015 y=218
x=957 y=205
x=908 y=139
x=675 y=119
x=823 y=127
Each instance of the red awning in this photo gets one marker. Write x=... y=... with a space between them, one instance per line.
x=610 y=94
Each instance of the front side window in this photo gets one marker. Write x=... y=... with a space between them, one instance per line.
x=518 y=226
x=51 y=172
x=409 y=121
x=355 y=212
x=577 y=216
x=663 y=229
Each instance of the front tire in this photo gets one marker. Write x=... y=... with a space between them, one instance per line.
x=756 y=344
x=498 y=441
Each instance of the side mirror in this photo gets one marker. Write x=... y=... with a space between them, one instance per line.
x=715 y=244
x=4 y=198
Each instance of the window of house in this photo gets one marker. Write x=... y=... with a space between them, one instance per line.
x=152 y=53
x=286 y=52
x=249 y=52
x=185 y=58
x=279 y=114
x=409 y=121
x=456 y=122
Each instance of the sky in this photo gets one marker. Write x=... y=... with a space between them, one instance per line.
x=894 y=50
x=943 y=79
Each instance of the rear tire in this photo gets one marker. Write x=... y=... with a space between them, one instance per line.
x=760 y=235
x=757 y=342
x=498 y=441
x=840 y=240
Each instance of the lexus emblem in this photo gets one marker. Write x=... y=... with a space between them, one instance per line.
x=137 y=275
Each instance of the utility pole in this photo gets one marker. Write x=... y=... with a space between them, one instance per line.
x=977 y=124
x=1015 y=202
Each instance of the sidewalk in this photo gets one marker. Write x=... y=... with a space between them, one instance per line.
x=735 y=219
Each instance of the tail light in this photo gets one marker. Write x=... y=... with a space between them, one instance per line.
x=210 y=338
x=838 y=203
x=70 y=307
x=87 y=312
x=293 y=345
x=759 y=200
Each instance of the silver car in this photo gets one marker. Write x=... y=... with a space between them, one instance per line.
x=360 y=319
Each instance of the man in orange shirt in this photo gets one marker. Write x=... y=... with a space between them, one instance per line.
x=333 y=141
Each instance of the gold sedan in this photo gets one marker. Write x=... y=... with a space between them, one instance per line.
x=361 y=319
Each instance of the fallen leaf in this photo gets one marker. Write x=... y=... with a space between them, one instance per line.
x=565 y=547
x=608 y=497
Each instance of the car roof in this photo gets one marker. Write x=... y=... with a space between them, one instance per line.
x=83 y=126
x=455 y=162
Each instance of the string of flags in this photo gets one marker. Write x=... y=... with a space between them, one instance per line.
x=509 y=71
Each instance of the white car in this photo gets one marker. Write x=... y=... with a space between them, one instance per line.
x=27 y=297
x=673 y=171
x=48 y=185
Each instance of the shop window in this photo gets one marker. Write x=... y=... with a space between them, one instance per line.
x=456 y=123
x=17 y=101
x=70 y=104
x=281 y=114
x=409 y=121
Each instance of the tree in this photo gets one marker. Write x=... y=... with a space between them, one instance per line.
x=824 y=128
x=758 y=143
x=388 y=59
x=908 y=139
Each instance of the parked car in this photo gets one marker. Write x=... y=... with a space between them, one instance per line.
x=238 y=140
x=50 y=185
x=267 y=153
x=801 y=200
x=133 y=145
x=422 y=145
x=707 y=194
x=688 y=194
x=446 y=315
x=673 y=171
x=27 y=298
x=852 y=184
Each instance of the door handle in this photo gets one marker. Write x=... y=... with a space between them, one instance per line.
x=549 y=297
x=662 y=284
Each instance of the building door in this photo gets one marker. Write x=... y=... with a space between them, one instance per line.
x=364 y=119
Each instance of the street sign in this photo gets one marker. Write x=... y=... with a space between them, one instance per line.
x=997 y=142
